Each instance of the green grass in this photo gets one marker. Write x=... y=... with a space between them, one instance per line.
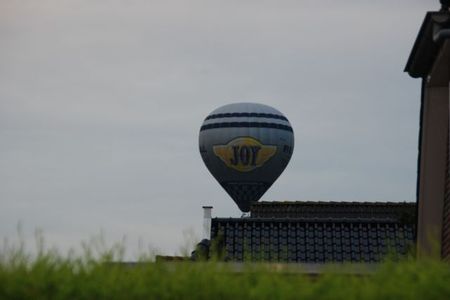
x=50 y=275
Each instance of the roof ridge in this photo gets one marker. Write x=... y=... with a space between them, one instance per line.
x=313 y=220
x=334 y=202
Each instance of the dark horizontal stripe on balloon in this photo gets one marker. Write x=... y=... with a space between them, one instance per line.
x=251 y=115
x=246 y=125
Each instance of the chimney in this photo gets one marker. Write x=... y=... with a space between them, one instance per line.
x=207 y=222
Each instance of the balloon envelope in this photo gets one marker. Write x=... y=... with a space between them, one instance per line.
x=246 y=146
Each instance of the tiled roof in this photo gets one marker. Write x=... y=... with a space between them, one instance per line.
x=311 y=240
x=403 y=212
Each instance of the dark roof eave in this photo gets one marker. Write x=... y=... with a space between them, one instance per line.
x=333 y=203
x=310 y=220
x=425 y=49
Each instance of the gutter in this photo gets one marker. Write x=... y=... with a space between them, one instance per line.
x=419 y=156
x=442 y=34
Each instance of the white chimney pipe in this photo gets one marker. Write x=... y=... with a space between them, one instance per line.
x=207 y=222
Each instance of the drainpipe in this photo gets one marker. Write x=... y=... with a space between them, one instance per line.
x=207 y=222
x=419 y=156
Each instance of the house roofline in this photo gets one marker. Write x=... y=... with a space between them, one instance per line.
x=426 y=46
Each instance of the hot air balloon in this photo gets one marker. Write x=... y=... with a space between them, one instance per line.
x=246 y=146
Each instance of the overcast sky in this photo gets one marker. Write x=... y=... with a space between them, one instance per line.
x=101 y=104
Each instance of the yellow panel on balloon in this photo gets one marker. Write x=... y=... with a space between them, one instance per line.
x=244 y=154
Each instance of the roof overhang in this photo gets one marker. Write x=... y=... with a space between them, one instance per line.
x=428 y=44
